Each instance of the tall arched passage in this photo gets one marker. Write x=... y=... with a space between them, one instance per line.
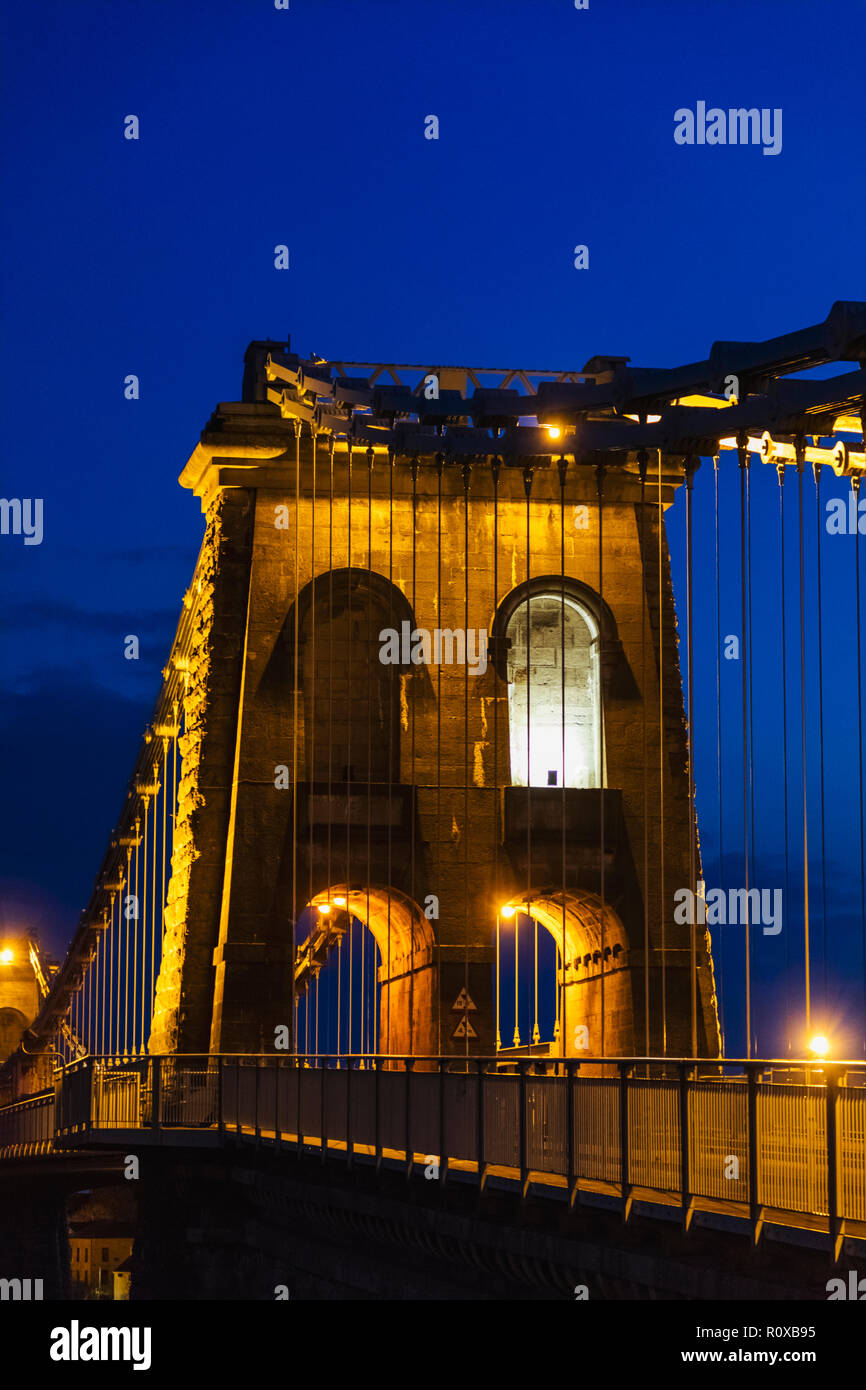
x=351 y=696
x=366 y=973
x=12 y=1025
x=582 y=986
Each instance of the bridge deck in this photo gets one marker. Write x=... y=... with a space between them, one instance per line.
x=738 y=1147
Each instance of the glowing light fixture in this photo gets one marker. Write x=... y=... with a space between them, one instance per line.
x=339 y=902
x=6 y=955
x=507 y=910
x=324 y=908
x=819 y=1045
x=553 y=431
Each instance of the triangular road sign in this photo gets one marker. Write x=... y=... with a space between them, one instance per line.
x=464 y=1029
x=463 y=1001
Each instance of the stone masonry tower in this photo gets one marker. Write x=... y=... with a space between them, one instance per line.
x=425 y=795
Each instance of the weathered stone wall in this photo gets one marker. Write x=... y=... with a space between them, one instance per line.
x=184 y=989
x=454 y=744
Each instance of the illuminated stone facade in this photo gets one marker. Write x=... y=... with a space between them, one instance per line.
x=419 y=753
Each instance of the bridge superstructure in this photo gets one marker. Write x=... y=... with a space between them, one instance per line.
x=349 y=852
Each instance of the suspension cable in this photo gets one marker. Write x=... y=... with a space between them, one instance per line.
x=690 y=467
x=310 y=749
x=390 y=712
x=746 y=676
x=144 y=921
x=440 y=461
x=662 y=765
x=465 y=837
x=599 y=476
x=153 y=914
x=410 y=681
x=365 y=1027
x=820 y=628
x=752 y=822
x=780 y=469
x=643 y=461
x=560 y=1032
x=527 y=486
x=801 y=455
x=295 y=1003
x=331 y=727
x=495 y=469
x=349 y=776
x=855 y=484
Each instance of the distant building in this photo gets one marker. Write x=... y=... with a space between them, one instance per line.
x=97 y=1249
x=122 y=1281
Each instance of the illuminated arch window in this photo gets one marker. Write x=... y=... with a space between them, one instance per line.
x=554 y=742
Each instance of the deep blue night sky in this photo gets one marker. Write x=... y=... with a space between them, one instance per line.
x=305 y=127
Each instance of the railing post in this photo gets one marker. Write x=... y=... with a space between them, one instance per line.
x=350 y=1147
x=258 y=1127
x=443 y=1157
x=155 y=1091
x=479 y=1117
x=570 y=1177
x=625 y=1188
x=377 y=1139
x=277 y=1135
x=834 y=1224
x=521 y=1101
x=408 y=1063
x=685 y=1148
x=324 y=1102
x=754 y=1205
x=220 y=1116
x=300 y=1071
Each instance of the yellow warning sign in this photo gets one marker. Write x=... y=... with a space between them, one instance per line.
x=463 y=1002
x=464 y=1029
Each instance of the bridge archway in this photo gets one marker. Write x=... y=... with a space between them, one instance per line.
x=351 y=696
x=365 y=973
x=581 y=1008
x=12 y=1026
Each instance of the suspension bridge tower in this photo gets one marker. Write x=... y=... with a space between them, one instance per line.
x=434 y=691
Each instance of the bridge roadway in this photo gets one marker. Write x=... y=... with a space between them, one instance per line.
x=718 y=1157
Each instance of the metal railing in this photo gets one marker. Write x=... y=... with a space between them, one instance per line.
x=685 y=1133
x=27 y=1128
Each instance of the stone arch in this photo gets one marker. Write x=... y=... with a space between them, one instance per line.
x=351 y=698
x=12 y=1026
x=580 y=915
x=407 y=973
x=554 y=697
x=616 y=676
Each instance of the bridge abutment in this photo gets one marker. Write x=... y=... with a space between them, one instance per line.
x=33 y=1237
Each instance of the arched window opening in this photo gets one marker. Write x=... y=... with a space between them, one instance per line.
x=12 y=1026
x=554 y=742
x=351 y=698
